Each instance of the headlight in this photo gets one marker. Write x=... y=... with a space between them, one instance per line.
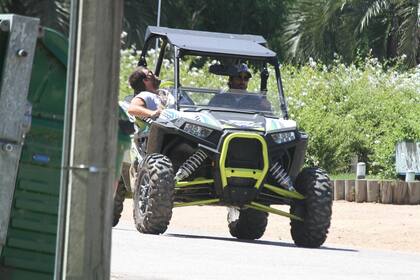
x=283 y=137
x=197 y=130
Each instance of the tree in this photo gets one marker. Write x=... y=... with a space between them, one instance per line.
x=262 y=17
x=54 y=14
x=390 y=28
x=138 y=14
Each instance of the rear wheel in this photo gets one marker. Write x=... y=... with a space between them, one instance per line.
x=315 y=209
x=154 y=195
x=119 y=197
x=246 y=223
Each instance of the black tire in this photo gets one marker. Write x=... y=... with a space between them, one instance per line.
x=315 y=209
x=119 y=198
x=247 y=223
x=154 y=195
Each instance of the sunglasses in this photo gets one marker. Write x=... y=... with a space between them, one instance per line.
x=148 y=75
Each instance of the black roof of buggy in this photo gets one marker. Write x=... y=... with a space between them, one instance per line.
x=210 y=42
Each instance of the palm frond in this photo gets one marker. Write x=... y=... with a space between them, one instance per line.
x=312 y=28
x=320 y=27
x=137 y=16
x=373 y=10
x=409 y=32
x=63 y=14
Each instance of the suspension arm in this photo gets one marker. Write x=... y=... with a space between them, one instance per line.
x=283 y=192
x=199 y=202
x=261 y=207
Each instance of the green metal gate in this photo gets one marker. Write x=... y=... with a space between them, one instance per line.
x=29 y=252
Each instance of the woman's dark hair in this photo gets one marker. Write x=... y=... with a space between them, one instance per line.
x=136 y=80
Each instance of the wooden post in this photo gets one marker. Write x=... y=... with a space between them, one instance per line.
x=349 y=192
x=400 y=193
x=339 y=190
x=372 y=191
x=385 y=191
x=414 y=192
x=90 y=141
x=360 y=191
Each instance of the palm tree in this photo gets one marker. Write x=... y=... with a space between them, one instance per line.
x=389 y=27
x=138 y=14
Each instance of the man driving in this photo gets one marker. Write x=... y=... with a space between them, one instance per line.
x=238 y=80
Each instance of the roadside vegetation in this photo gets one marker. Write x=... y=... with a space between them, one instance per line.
x=360 y=109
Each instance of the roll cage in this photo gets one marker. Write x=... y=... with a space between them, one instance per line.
x=224 y=45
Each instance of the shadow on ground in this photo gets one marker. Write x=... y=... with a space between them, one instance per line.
x=260 y=242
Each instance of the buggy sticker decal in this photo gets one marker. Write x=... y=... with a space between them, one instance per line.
x=271 y=124
x=202 y=117
x=276 y=124
x=209 y=119
x=242 y=124
x=170 y=114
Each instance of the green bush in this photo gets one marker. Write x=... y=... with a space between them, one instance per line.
x=347 y=110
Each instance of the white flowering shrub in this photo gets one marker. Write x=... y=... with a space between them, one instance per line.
x=346 y=110
x=349 y=110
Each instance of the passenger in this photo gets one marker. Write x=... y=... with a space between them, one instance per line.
x=146 y=102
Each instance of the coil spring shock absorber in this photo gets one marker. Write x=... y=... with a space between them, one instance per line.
x=281 y=177
x=190 y=165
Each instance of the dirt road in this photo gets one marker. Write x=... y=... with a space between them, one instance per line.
x=358 y=225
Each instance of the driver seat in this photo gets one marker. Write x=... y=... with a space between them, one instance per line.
x=226 y=100
x=255 y=103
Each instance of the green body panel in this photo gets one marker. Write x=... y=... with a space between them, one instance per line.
x=123 y=145
x=30 y=247
x=244 y=173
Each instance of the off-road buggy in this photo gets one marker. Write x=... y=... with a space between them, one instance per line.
x=221 y=147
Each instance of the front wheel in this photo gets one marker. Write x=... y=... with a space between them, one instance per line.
x=154 y=195
x=315 y=209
